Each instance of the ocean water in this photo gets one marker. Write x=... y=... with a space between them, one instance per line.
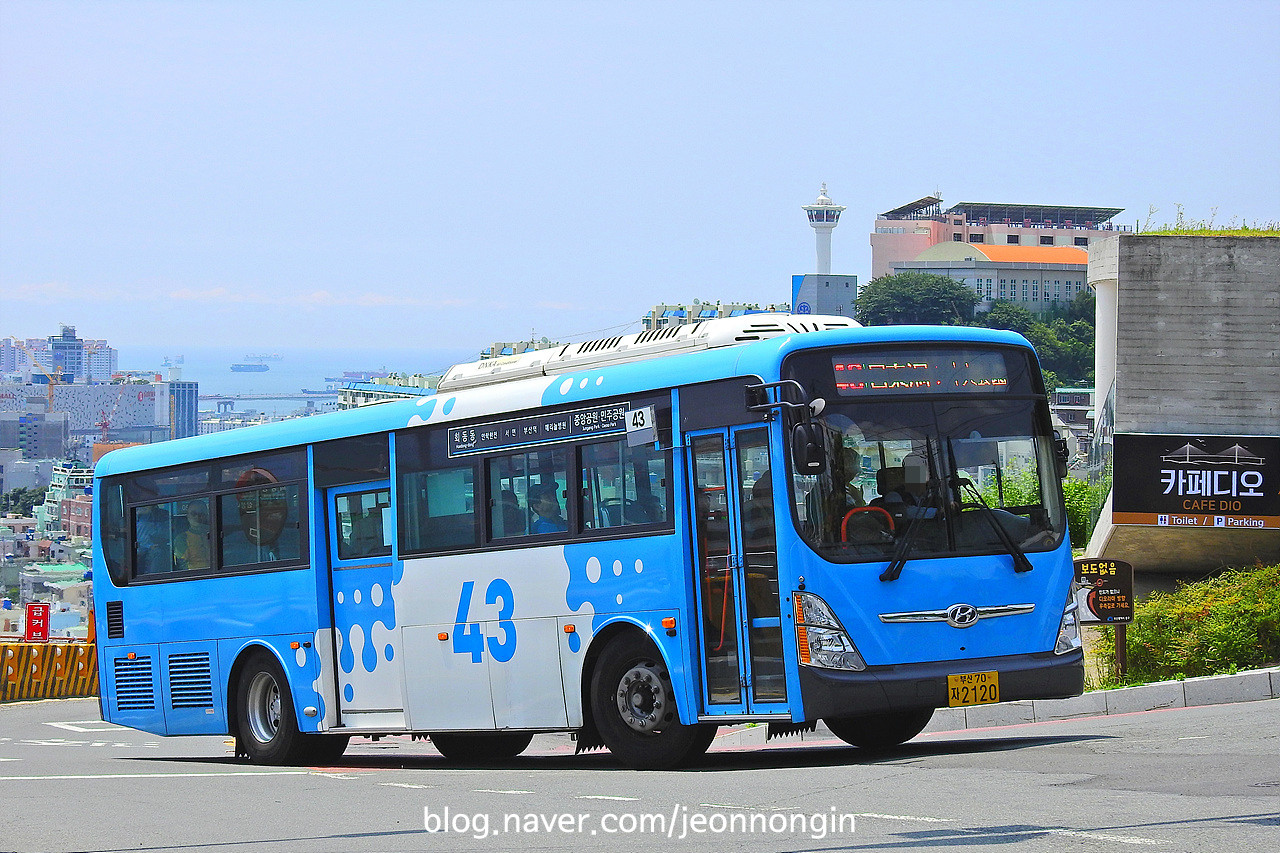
x=296 y=370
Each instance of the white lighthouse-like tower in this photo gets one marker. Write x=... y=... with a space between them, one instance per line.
x=824 y=216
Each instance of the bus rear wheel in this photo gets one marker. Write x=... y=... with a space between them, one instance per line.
x=265 y=722
x=635 y=711
x=481 y=748
x=879 y=732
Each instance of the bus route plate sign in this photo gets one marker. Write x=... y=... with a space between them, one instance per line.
x=642 y=427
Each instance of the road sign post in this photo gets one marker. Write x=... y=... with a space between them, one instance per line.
x=1105 y=595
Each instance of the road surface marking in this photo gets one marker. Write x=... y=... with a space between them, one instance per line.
x=405 y=785
x=87 y=726
x=603 y=797
x=156 y=775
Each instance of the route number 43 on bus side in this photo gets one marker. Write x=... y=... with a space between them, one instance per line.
x=468 y=638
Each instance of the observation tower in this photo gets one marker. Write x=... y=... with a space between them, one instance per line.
x=824 y=216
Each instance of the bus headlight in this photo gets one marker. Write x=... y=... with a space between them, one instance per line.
x=820 y=638
x=1069 y=627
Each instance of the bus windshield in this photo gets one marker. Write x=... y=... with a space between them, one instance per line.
x=971 y=469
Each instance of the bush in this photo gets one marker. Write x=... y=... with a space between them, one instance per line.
x=1221 y=625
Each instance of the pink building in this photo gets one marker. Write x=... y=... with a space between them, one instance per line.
x=903 y=233
x=77 y=516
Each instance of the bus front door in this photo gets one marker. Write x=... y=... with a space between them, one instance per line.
x=366 y=633
x=735 y=552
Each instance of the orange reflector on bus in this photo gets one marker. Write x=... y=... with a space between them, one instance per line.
x=570 y=629
x=295 y=645
x=669 y=622
x=802 y=643
x=442 y=636
x=133 y=655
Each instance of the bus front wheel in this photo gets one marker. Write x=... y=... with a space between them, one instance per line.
x=481 y=748
x=635 y=712
x=266 y=726
x=878 y=732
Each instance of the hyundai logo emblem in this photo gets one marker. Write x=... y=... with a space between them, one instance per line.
x=962 y=615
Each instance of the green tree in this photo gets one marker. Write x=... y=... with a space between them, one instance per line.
x=1006 y=315
x=21 y=501
x=914 y=297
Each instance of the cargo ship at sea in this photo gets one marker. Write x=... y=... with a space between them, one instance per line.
x=249 y=368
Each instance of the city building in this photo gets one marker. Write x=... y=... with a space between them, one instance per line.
x=38 y=435
x=69 y=480
x=1038 y=278
x=824 y=294
x=1074 y=408
x=499 y=349
x=77 y=516
x=386 y=388
x=18 y=472
x=143 y=412
x=63 y=354
x=677 y=314
x=903 y=233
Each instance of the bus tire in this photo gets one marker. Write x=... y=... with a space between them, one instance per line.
x=879 y=732
x=634 y=707
x=481 y=748
x=265 y=722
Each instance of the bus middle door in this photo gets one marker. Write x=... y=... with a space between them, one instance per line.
x=367 y=636
x=735 y=551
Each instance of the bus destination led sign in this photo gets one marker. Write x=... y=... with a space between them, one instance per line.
x=539 y=429
x=935 y=372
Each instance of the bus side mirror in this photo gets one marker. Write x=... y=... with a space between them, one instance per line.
x=1061 y=455
x=806 y=449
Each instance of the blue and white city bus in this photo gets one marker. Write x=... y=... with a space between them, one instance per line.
x=768 y=518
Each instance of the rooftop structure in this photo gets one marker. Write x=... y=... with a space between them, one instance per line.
x=678 y=314
x=902 y=233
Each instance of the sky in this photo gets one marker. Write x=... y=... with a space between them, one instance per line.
x=444 y=175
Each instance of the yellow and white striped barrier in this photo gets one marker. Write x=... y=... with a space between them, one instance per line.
x=47 y=671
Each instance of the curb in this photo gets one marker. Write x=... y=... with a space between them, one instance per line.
x=1251 y=686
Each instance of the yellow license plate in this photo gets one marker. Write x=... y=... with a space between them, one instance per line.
x=973 y=688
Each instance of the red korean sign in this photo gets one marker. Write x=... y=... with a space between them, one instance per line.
x=37 y=623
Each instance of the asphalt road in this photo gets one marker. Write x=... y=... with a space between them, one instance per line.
x=1193 y=779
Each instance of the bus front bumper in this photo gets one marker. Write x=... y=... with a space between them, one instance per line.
x=833 y=693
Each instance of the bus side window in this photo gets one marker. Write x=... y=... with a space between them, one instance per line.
x=361 y=518
x=260 y=526
x=623 y=485
x=153 y=533
x=437 y=510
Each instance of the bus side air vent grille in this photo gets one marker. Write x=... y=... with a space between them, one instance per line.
x=658 y=334
x=594 y=346
x=190 y=681
x=115 y=620
x=135 y=689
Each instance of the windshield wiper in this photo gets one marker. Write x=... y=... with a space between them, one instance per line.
x=1020 y=561
x=932 y=493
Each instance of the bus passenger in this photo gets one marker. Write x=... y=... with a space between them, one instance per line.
x=545 y=503
x=191 y=550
